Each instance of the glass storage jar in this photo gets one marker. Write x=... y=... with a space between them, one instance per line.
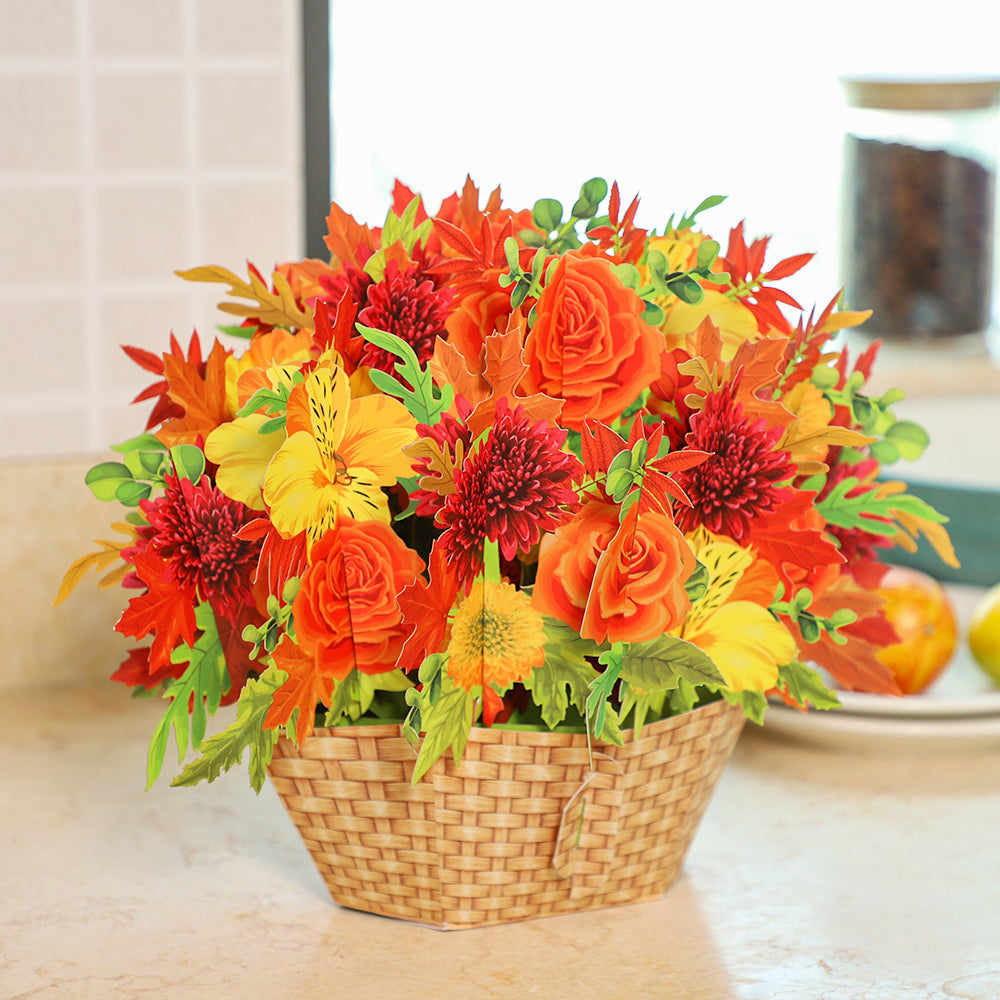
x=920 y=163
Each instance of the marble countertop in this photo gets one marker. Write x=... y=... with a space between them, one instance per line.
x=815 y=875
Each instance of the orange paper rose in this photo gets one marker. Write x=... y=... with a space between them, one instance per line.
x=346 y=611
x=589 y=344
x=618 y=582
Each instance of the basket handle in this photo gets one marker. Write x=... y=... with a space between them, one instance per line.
x=588 y=829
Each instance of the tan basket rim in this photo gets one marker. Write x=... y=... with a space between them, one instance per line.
x=481 y=733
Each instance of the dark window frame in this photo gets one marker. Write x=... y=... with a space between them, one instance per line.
x=316 y=130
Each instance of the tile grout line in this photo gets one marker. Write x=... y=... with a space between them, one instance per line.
x=194 y=188
x=89 y=225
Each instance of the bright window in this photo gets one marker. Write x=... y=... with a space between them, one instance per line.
x=675 y=101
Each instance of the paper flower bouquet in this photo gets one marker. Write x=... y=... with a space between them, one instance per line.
x=491 y=467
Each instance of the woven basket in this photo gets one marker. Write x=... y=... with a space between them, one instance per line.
x=523 y=828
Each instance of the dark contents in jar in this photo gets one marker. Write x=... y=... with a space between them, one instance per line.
x=918 y=239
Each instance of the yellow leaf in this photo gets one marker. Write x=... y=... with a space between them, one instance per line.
x=108 y=554
x=440 y=475
x=915 y=525
x=277 y=308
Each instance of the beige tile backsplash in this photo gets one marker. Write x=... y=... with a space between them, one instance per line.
x=136 y=138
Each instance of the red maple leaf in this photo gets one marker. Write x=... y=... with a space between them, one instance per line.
x=166 y=610
x=134 y=670
x=783 y=543
x=235 y=648
x=335 y=328
x=620 y=235
x=164 y=408
x=472 y=259
x=425 y=605
x=280 y=558
x=748 y=278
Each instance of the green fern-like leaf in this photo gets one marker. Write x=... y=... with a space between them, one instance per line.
x=225 y=750
x=197 y=691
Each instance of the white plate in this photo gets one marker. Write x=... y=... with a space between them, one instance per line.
x=963 y=690
x=839 y=730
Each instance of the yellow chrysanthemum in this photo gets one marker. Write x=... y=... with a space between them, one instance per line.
x=339 y=453
x=497 y=637
x=742 y=638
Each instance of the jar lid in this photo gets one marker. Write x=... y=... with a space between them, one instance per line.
x=921 y=95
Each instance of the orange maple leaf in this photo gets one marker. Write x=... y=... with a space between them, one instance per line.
x=504 y=369
x=305 y=687
x=202 y=397
x=447 y=367
x=855 y=664
x=350 y=242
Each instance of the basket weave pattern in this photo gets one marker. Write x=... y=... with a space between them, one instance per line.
x=530 y=824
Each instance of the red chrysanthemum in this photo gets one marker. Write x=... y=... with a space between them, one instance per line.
x=740 y=482
x=349 y=278
x=517 y=485
x=410 y=305
x=193 y=527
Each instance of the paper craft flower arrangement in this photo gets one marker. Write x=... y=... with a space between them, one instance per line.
x=504 y=467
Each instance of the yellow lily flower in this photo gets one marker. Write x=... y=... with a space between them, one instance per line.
x=339 y=453
x=742 y=638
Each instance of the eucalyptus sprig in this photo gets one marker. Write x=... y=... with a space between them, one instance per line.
x=560 y=234
x=279 y=622
x=874 y=416
x=810 y=624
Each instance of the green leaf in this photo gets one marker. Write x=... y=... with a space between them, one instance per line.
x=197 y=691
x=710 y=202
x=145 y=464
x=753 y=703
x=225 y=750
x=598 y=707
x=447 y=724
x=105 y=478
x=565 y=676
x=805 y=685
x=687 y=289
x=660 y=663
x=683 y=698
x=653 y=314
x=353 y=696
x=189 y=461
x=130 y=493
x=644 y=703
x=596 y=189
x=547 y=214
x=696 y=585
x=909 y=438
x=423 y=400
x=868 y=511
x=245 y=332
x=707 y=252
x=592 y=193
x=144 y=442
